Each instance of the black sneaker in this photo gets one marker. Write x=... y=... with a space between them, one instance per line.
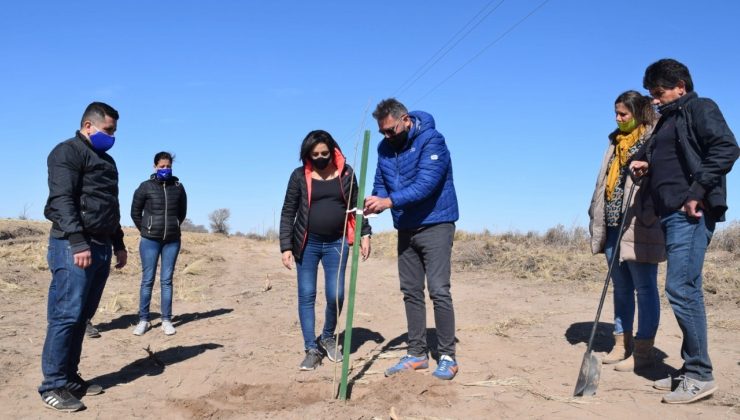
x=312 y=359
x=61 y=400
x=332 y=350
x=90 y=331
x=81 y=388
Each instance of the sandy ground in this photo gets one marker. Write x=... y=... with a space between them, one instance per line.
x=238 y=346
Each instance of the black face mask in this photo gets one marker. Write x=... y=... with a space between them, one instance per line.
x=398 y=141
x=320 y=163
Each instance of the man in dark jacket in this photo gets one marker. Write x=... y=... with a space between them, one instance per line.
x=414 y=179
x=690 y=152
x=83 y=208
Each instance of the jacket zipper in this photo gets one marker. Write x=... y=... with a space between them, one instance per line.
x=164 y=187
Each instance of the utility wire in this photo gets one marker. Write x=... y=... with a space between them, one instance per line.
x=479 y=53
x=421 y=71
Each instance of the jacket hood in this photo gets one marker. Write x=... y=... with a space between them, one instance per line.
x=422 y=122
x=339 y=162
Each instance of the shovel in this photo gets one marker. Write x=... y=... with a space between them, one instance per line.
x=588 y=377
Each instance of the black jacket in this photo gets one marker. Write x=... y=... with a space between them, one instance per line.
x=294 y=216
x=83 y=195
x=158 y=208
x=708 y=147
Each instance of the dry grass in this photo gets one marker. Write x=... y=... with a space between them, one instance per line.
x=558 y=255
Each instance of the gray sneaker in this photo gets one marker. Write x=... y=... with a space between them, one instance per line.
x=690 y=390
x=142 y=327
x=312 y=359
x=665 y=384
x=91 y=331
x=333 y=351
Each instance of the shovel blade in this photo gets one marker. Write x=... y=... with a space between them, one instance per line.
x=588 y=377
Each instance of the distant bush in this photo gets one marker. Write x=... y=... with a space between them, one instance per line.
x=188 y=226
x=219 y=219
x=728 y=238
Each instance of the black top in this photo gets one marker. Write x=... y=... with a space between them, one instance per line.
x=326 y=215
x=670 y=180
x=83 y=195
x=158 y=208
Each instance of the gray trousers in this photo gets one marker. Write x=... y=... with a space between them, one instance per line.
x=426 y=252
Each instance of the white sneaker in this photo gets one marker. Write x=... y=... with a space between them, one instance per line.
x=142 y=327
x=168 y=328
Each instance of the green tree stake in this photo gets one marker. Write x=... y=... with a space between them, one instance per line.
x=355 y=261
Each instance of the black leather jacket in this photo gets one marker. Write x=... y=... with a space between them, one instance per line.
x=83 y=195
x=708 y=146
x=158 y=208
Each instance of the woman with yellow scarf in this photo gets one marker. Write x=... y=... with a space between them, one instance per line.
x=642 y=244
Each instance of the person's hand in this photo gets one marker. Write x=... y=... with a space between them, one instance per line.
x=639 y=168
x=121 y=258
x=288 y=259
x=375 y=204
x=83 y=259
x=365 y=248
x=693 y=208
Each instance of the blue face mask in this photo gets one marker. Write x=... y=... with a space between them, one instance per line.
x=101 y=141
x=163 y=174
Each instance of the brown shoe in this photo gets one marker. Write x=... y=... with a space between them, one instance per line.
x=642 y=358
x=621 y=350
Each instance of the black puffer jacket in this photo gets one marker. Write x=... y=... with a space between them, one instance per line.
x=159 y=208
x=294 y=216
x=83 y=195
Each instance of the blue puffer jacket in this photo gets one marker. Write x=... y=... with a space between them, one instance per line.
x=418 y=179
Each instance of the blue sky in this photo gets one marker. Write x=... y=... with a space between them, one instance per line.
x=232 y=87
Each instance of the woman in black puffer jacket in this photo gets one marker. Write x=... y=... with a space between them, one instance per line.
x=159 y=207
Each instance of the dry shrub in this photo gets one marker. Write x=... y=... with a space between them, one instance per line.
x=728 y=238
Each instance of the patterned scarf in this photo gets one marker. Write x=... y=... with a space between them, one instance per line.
x=623 y=143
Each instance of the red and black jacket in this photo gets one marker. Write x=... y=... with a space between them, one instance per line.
x=297 y=205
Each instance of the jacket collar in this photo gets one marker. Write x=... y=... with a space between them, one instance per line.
x=677 y=104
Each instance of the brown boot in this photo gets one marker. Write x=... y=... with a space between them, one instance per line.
x=643 y=357
x=621 y=350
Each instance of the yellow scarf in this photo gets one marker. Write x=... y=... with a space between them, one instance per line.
x=621 y=151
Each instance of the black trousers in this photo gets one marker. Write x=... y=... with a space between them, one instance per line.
x=425 y=253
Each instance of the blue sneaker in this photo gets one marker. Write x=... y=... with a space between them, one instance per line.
x=408 y=362
x=447 y=368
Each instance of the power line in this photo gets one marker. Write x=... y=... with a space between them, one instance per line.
x=479 y=53
x=421 y=71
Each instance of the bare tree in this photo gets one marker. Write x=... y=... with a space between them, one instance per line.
x=24 y=214
x=219 y=220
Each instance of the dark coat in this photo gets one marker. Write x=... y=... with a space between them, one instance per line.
x=297 y=204
x=83 y=195
x=158 y=208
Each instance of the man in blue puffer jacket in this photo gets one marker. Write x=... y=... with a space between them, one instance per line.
x=414 y=179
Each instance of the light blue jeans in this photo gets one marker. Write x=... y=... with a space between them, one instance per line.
x=150 y=252
x=629 y=277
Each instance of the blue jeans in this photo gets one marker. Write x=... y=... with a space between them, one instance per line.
x=74 y=295
x=628 y=277
x=150 y=251
x=330 y=253
x=687 y=239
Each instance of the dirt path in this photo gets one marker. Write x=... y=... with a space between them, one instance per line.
x=238 y=346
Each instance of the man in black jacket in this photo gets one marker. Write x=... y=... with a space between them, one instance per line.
x=690 y=152
x=83 y=208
